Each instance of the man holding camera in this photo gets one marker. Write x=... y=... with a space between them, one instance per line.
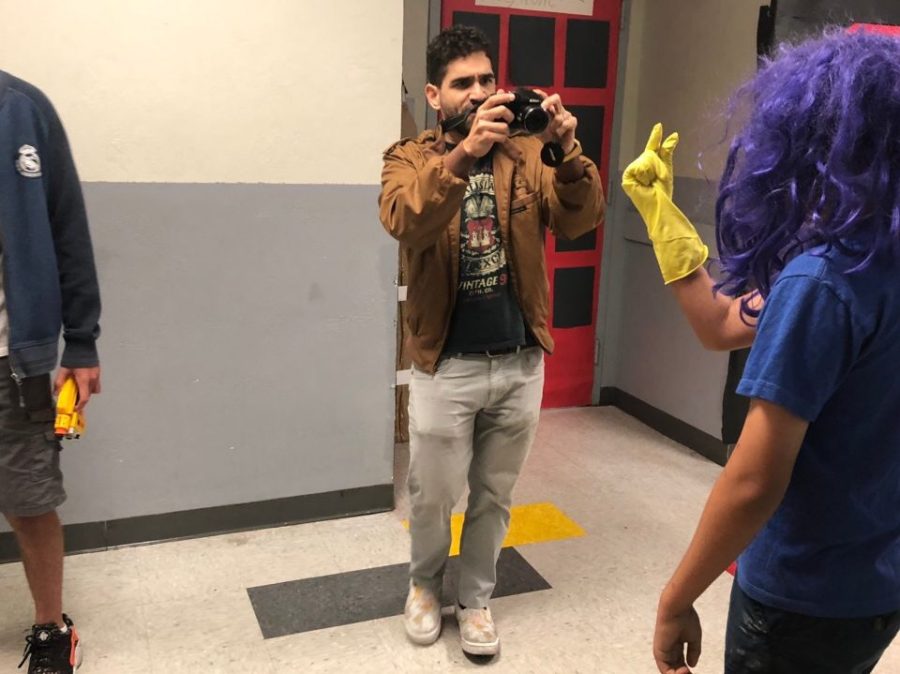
x=469 y=203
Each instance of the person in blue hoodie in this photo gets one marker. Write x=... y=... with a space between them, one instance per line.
x=48 y=287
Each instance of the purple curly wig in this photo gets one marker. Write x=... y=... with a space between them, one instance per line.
x=816 y=164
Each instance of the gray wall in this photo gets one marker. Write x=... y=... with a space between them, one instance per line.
x=656 y=356
x=247 y=349
x=679 y=63
x=248 y=291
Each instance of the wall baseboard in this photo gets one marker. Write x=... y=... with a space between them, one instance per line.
x=93 y=536
x=673 y=428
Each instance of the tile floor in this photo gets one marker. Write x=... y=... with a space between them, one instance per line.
x=183 y=606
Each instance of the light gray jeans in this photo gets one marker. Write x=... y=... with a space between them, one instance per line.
x=474 y=420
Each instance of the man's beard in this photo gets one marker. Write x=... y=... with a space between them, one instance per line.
x=464 y=127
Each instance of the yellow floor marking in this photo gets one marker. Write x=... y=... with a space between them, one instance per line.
x=532 y=523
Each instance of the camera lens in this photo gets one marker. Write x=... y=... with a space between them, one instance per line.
x=535 y=119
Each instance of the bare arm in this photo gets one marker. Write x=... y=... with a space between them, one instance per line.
x=715 y=317
x=746 y=495
x=649 y=183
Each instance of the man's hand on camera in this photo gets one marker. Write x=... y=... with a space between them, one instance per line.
x=561 y=129
x=490 y=126
x=563 y=123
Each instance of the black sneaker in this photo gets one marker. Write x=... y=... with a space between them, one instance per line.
x=49 y=650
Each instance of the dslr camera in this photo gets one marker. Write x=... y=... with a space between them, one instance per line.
x=530 y=117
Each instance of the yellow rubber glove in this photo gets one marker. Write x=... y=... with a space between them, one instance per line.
x=649 y=183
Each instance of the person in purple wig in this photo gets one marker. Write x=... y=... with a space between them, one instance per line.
x=808 y=232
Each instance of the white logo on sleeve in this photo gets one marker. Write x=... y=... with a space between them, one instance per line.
x=29 y=163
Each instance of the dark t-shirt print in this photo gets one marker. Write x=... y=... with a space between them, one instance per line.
x=482 y=261
x=487 y=315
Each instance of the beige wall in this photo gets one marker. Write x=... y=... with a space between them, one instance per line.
x=684 y=60
x=415 y=43
x=272 y=91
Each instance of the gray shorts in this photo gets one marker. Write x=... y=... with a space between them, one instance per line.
x=30 y=478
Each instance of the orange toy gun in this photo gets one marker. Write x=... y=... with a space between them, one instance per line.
x=69 y=423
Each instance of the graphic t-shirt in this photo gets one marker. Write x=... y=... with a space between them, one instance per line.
x=487 y=315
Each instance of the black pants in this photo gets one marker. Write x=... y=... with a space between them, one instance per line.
x=765 y=640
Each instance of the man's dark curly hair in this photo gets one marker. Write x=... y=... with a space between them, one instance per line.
x=451 y=44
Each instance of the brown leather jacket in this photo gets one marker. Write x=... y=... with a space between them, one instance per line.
x=420 y=206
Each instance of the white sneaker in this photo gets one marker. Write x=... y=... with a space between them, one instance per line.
x=477 y=631
x=422 y=616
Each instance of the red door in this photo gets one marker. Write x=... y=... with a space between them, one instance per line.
x=575 y=56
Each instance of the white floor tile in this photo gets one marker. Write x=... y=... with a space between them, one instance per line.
x=183 y=607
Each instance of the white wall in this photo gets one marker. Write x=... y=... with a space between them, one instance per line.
x=265 y=91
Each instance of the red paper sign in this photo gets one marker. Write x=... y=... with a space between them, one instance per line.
x=876 y=28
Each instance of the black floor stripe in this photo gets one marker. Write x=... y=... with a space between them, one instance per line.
x=346 y=598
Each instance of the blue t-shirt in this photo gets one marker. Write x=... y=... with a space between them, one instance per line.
x=828 y=350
